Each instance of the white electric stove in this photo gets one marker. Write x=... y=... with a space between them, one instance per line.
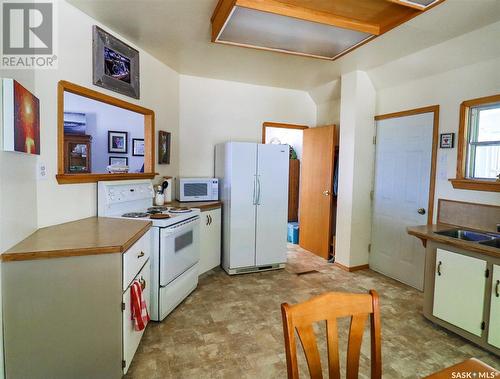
x=175 y=246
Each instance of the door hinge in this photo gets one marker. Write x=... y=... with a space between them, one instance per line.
x=483 y=325
x=124 y=363
x=374 y=140
x=487 y=273
x=123 y=306
x=372 y=194
x=369 y=247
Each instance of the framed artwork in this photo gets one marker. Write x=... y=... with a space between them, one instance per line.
x=21 y=118
x=115 y=64
x=121 y=161
x=447 y=140
x=117 y=142
x=164 y=147
x=138 y=147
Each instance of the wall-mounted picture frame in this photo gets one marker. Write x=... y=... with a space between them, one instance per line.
x=120 y=161
x=447 y=140
x=115 y=64
x=164 y=139
x=138 y=147
x=117 y=142
x=21 y=118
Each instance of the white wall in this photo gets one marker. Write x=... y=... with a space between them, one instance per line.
x=447 y=90
x=101 y=118
x=159 y=91
x=18 y=197
x=356 y=156
x=328 y=113
x=214 y=111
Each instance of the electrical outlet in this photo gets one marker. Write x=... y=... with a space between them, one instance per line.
x=41 y=171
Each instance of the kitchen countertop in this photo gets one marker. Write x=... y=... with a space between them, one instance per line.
x=428 y=232
x=202 y=205
x=89 y=236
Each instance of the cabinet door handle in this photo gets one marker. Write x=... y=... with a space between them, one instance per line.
x=141 y=254
x=208 y=220
x=439 y=268
x=497 y=294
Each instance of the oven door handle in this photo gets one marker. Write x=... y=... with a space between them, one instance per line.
x=178 y=228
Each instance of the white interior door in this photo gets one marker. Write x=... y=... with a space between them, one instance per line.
x=243 y=171
x=402 y=177
x=272 y=204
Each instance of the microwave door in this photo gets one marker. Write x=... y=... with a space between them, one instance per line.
x=197 y=190
x=179 y=250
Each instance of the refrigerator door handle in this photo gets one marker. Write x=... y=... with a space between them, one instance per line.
x=254 y=200
x=258 y=189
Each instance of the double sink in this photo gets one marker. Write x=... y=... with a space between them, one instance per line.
x=488 y=239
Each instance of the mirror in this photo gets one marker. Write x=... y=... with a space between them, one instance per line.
x=102 y=138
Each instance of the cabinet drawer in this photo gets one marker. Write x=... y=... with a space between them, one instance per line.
x=135 y=257
x=132 y=337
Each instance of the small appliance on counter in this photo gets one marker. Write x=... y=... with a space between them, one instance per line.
x=197 y=189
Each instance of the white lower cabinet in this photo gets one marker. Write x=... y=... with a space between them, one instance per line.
x=132 y=337
x=210 y=240
x=459 y=290
x=494 y=323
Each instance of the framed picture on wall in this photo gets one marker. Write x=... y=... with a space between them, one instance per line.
x=120 y=161
x=447 y=140
x=21 y=117
x=164 y=147
x=138 y=147
x=115 y=64
x=117 y=142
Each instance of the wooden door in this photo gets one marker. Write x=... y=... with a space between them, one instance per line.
x=315 y=216
x=459 y=290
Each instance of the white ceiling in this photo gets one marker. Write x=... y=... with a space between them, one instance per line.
x=177 y=32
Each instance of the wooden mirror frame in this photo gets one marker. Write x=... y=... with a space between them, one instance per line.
x=461 y=181
x=149 y=128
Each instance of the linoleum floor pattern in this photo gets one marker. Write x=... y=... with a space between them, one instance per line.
x=231 y=327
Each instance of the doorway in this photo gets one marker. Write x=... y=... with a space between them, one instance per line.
x=405 y=164
x=291 y=135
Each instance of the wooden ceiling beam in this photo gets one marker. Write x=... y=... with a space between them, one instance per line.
x=302 y=13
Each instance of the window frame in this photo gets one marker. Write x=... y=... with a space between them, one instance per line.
x=462 y=181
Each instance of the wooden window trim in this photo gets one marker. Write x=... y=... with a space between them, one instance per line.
x=149 y=128
x=461 y=181
x=435 y=142
x=279 y=125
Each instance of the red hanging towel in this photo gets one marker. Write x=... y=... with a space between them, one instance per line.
x=140 y=314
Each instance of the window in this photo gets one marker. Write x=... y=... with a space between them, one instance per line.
x=483 y=151
x=478 y=155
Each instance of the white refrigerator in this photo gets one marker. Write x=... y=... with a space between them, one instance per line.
x=253 y=185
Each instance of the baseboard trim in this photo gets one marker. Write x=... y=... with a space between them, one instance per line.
x=352 y=268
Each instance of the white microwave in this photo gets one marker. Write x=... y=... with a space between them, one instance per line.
x=197 y=189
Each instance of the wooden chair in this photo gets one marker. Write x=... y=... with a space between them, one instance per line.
x=328 y=307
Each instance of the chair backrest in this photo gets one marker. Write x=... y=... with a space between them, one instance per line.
x=328 y=307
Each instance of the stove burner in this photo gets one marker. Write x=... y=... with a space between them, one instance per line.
x=160 y=208
x=135 y=215
x=153 y=211
x=180 y=210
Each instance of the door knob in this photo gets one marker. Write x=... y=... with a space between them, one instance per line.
x=421 y=211
x=326 y=193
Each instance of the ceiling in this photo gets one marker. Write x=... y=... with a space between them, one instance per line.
x=178 y=33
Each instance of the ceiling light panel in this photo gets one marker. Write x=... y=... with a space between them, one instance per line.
x=253 y=28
